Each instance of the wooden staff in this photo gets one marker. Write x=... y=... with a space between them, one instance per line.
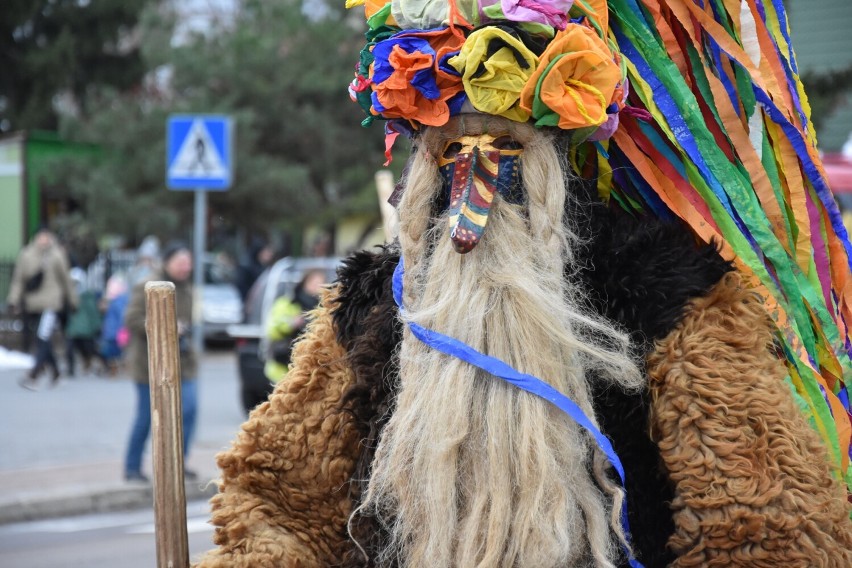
x=390 y=221
x=166 y=426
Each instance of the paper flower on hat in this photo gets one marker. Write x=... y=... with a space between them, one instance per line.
x=407 y=81
x=371 y=7
x=548 y=12
x=575 y=82
x=433 y=13
x=495 y=65
x=608 y=128
x=424 y=14
x=504 y=56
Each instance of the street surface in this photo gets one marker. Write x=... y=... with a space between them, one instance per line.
x=88 y=419
x=107 y=540
x=74 y=436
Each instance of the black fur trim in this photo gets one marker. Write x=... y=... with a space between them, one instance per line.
x=624 y=419
x=365 y=317
x=643 y=272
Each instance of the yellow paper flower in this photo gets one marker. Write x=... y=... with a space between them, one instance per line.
x=575 y=82
x=495 y=66
x=371 y=7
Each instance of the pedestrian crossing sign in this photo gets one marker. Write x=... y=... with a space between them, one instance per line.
x=198 y=152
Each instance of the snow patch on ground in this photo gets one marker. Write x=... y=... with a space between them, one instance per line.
x=15 y=359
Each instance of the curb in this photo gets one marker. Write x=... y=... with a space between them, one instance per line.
x=104 y=501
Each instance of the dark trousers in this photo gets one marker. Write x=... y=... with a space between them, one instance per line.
x=31 y=320
x=85 y=346
x=45 y=357
x=142 y=422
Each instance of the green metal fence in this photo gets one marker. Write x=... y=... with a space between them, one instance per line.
x=10 y=327
x=7 y=265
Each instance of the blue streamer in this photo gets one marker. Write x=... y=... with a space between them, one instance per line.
x=455 y=348
x=669 y=109
x=687 y=142
x=733 y=95
x=795 y=136
x=760 y=9
x=791 y=88
x=627 y=177
x=811 y=171
x=781 y=12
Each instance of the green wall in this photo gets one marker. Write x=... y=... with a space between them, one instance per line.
x=11 y=198
x=25 y=159
x=42 y=149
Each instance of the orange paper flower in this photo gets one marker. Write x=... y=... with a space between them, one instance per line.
x=407 y=82
x=574 y=83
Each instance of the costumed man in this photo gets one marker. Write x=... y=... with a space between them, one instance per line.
x=612 y=330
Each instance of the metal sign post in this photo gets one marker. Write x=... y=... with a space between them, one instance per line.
x=199 y=248
x=199 y=158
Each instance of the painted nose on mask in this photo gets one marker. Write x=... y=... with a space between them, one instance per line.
x=472 y=189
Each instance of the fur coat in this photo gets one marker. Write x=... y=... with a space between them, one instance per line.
x=721 y=468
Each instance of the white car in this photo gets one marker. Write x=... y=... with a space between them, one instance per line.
x=221 y=305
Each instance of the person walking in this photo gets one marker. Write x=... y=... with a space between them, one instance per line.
x=147 y=261
x=113 y=306
x=176 y=268
x=40 y=290
x=84 y=325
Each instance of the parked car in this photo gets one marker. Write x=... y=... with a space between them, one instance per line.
x=221 y=305
x=278 y=280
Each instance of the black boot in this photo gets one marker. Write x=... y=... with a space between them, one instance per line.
x=54 y=376
x=35 y=372
x=30 y=382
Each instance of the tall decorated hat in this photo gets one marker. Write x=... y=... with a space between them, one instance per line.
x=683 y=109
x=552 y=63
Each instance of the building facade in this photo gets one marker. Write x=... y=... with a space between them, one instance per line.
x=821 y=32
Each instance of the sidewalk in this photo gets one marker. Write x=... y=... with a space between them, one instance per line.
x=61 y=449
x=67 y=490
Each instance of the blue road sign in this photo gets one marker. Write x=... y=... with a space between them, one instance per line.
x=198 y=152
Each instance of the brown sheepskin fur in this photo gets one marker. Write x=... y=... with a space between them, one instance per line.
x=753 y=482
x=284 y=496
